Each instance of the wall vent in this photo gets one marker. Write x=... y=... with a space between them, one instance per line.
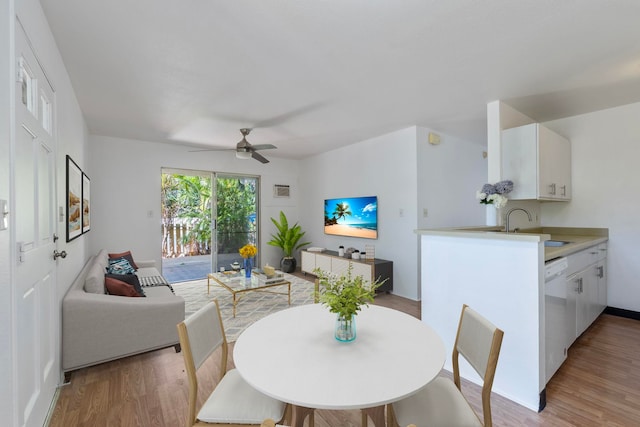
x=280 y=190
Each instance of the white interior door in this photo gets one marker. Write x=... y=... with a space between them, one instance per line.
x=35 y=287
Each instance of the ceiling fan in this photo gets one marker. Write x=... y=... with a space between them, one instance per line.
x=244 y=150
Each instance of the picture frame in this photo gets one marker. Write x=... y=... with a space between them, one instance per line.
x=86 y=203
x=74 y=200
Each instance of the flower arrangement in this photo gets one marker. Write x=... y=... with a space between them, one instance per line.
x=494 y=194
x=345 y=295
x=248 y=251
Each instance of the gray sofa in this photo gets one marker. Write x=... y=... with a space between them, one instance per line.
x=97 y=327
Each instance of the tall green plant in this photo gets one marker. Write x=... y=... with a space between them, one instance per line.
x=287 y=238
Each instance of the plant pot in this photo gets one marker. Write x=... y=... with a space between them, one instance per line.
x=288 y=264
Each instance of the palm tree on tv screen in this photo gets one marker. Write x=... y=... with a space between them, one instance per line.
x=342 y=211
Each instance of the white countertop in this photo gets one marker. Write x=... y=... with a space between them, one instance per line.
x=580 y=238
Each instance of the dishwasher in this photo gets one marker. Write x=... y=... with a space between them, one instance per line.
x=555 y=315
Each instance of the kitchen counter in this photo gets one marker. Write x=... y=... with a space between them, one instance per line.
x=502 y=276
x=579 y=238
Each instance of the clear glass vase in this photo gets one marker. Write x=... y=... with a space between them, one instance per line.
x=248 y=265
x=345 y=329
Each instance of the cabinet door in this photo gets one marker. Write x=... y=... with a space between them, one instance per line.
x=563 y=168
x=554 y=166
x=538 y=161
x=362 y=269
x=573 y=287
x=339 y=266
x=590 y=294
x=308 y=262
x=519 y=160
x=586 y=289
x=323 y=262
x=547 y=185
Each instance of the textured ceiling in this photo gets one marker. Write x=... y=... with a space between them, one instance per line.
x=310 y=76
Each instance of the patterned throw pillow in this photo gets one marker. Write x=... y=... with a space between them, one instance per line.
x=120 y=266
x=126 y=255
x=120 y=288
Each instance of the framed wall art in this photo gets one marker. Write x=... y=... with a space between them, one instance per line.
x=86 y=203
x=74 y=200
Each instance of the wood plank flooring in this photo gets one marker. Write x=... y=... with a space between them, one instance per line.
x=599 y=385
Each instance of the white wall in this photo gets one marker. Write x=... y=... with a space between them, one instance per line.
x=125 y=187
x=605 y=148
x=449 y=174
x=407 y=175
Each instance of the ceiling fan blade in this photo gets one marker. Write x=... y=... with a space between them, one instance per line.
x=259 y=157
x=212 y=149
x=263 y=147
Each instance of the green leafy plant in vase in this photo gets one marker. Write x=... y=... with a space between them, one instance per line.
x=287 y=238
x=345 y=295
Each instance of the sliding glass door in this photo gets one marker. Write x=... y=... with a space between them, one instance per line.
x=206 y=218
x=236 y=217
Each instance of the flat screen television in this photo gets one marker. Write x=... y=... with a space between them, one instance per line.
x=352 y=217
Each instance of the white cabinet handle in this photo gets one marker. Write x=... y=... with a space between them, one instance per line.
x=552 y=188
x=564 y=190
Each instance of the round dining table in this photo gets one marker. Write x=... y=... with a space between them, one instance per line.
x=292 y=356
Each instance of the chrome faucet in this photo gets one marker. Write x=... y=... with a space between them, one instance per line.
x=506 y=227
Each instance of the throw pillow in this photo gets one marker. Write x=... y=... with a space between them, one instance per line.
x=130 y=279
x=120 y=266
x=126 y=255
x=120 y=288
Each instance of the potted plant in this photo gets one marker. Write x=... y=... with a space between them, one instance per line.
x=287 y=239
x=345 y=295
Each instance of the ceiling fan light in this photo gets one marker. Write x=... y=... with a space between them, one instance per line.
x=244 y=155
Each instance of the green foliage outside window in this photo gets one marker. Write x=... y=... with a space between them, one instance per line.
x=188 y=199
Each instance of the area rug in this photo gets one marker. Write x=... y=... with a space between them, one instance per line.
x=252 y=306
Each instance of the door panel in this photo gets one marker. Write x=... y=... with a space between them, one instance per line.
x=37 y=327
x=236 y=213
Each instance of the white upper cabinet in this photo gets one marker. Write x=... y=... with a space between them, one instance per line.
x=538 y=161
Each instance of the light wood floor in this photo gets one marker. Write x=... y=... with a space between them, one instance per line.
x=598 y=385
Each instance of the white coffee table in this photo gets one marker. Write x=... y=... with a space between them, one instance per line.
x=293 y=356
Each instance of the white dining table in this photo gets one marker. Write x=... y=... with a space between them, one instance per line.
x=292 y=355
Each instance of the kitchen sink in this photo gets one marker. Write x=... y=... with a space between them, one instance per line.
x=555 y=243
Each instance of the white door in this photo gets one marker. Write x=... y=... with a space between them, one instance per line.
x=35 y=286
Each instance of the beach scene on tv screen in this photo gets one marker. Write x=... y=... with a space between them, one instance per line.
x=353 y=217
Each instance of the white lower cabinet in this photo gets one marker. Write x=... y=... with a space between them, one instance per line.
x=330 y=262
x=586 y=289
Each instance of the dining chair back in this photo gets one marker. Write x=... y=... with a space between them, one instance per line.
x=479 y=342
x=233 y=402
x=442 y=403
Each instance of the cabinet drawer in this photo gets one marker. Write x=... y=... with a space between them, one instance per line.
x=579 y=261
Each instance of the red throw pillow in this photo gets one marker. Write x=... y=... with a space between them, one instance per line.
x=120 y=288
x=126 y=255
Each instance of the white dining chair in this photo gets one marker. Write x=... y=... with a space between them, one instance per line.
x=233 y=402
x=441 y=403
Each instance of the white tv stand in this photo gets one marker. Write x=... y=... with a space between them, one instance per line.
x=330 y=262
